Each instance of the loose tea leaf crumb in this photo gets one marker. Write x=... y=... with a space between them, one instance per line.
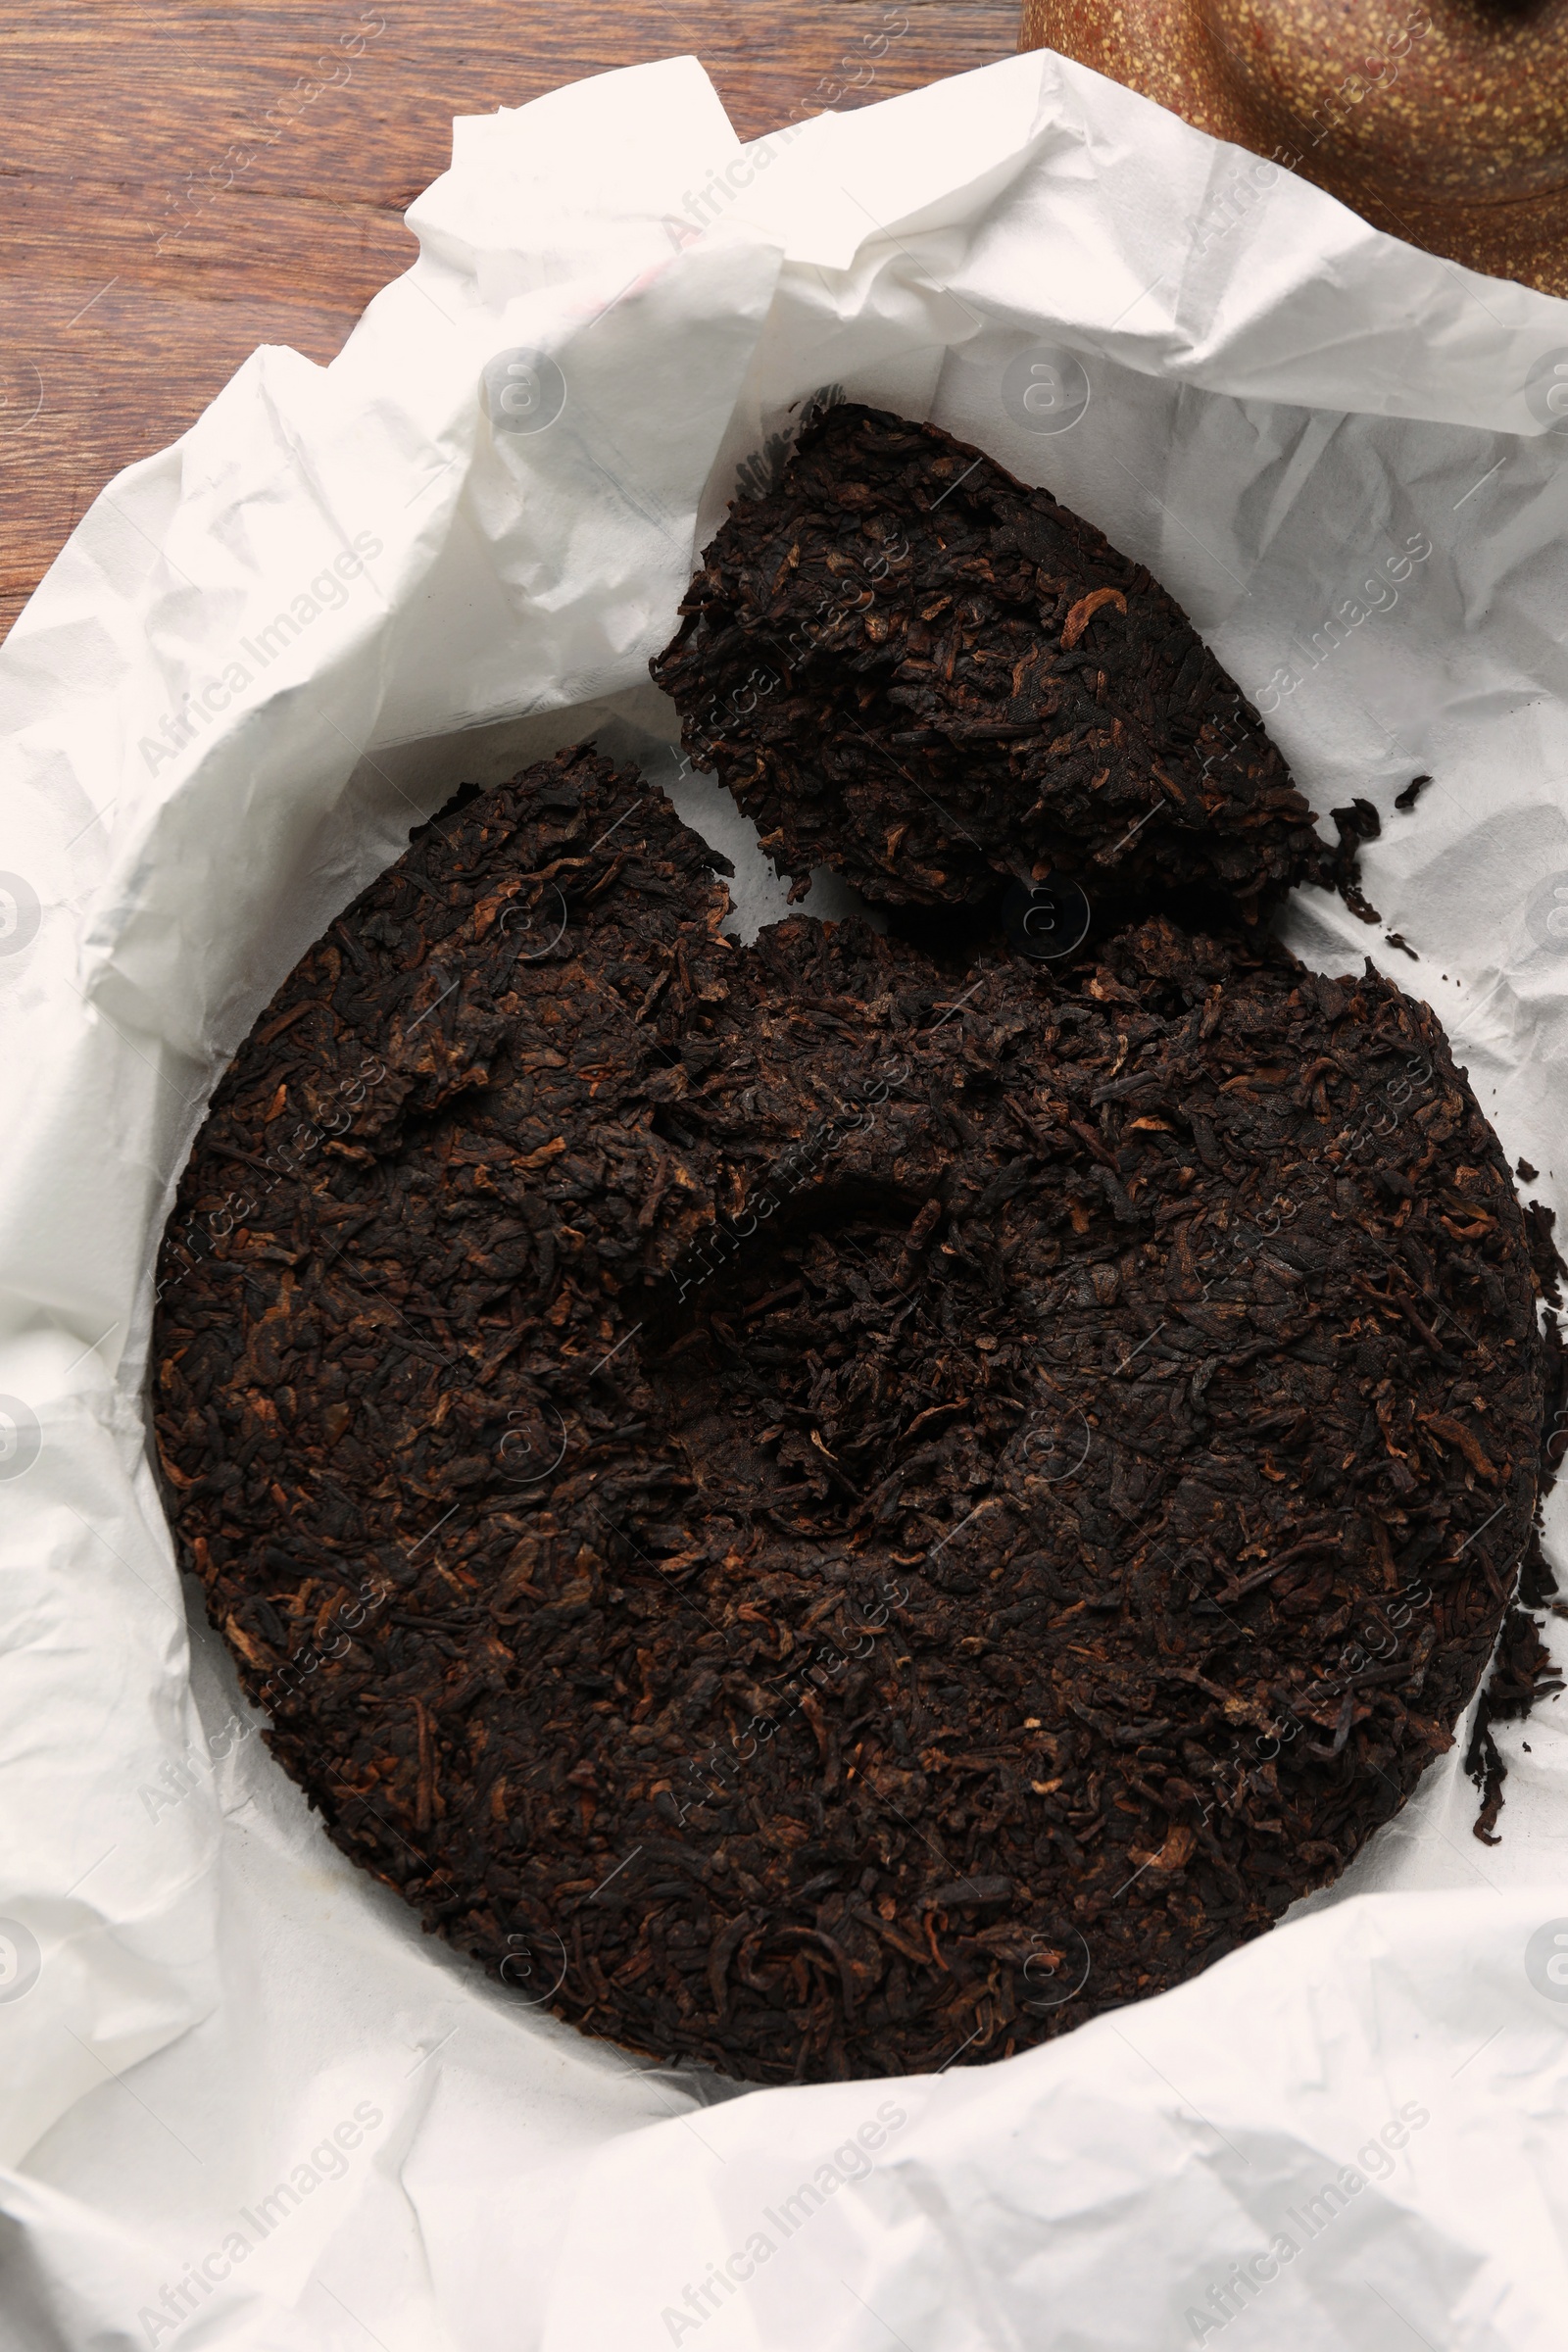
x=1523 y=1676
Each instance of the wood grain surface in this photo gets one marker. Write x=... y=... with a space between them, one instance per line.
x=180 y=184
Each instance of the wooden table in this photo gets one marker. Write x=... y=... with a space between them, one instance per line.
x=171 y=194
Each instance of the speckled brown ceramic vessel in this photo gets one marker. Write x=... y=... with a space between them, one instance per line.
x=1445 y=123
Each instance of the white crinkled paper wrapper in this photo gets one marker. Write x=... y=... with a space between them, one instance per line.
x=245 y=2103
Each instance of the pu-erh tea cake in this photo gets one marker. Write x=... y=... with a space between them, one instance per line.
x=908 y=667
x=838 y=1507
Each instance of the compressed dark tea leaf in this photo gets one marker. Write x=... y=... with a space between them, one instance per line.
x=910 y=668
x=827 y=1508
